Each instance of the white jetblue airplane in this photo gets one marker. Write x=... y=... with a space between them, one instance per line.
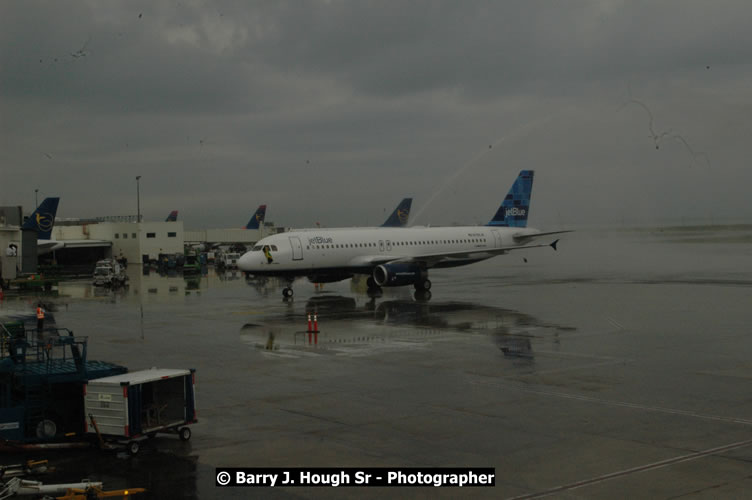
x=394 y=256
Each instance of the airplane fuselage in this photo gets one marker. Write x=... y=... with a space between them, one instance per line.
x=359 y=251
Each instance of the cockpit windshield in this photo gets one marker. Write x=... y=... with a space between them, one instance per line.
x=258 y=248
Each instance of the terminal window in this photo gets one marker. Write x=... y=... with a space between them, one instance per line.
x=133 y=235
x=117 y=236
x=151 y=235
x=125 y=236
x=172 y=235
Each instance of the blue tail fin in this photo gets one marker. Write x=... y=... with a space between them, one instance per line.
x=257 y=219
x=172 y=217
x=43 y=218
x=515 y=208
x=400 y=215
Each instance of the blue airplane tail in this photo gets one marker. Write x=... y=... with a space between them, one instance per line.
x=515 y=208
x=43 y=218
x=257 y=219
x=400 y=215
x=172 y=217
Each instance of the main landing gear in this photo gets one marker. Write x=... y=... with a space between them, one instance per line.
x=422 y=285
x=422 y=290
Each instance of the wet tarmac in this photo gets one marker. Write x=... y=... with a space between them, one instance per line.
x=617 y=367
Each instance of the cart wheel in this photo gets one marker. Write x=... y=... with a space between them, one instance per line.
x=133 y=447
x=185 y=434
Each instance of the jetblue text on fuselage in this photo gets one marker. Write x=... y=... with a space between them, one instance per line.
x=320 y=240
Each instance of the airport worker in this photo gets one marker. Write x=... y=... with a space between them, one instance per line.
x=40 y=318
x=268 y=254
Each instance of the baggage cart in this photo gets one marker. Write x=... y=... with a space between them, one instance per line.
x=134 y=406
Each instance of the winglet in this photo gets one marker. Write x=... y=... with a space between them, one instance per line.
x=553 y=245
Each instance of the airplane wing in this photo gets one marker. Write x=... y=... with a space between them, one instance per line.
x=524 y=238
x=431 y=260
x=47 y=246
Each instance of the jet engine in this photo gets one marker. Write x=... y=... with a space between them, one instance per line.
x=399 y=274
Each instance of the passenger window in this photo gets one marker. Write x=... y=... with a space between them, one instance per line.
x=274 y=247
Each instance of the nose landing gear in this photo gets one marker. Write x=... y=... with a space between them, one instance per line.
x=287 y=292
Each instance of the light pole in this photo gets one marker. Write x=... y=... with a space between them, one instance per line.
x=36 y=200
x=138 y=200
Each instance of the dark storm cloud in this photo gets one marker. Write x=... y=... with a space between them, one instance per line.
x=315 y=106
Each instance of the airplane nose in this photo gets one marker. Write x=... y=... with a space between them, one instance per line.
x=244 y=262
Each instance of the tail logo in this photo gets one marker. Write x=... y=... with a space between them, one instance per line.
x=44 y=221
x=260 y=213
x=402 y=215
x=515 y=211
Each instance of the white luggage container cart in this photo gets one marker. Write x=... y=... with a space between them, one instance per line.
x=131 y=407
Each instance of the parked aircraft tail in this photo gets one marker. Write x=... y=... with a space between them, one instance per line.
x=400 y=215
x=515 y=208
x=172 y=217
x=257 y=219
x=43 y=218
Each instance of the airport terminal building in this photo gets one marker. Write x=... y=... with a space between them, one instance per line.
x=81 y=242
x=132 y=240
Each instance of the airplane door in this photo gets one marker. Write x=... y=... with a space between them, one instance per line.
x=297 y=248
x=497 y=238
x=381 y=245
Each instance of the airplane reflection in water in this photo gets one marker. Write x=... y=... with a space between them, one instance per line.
x=349 y=328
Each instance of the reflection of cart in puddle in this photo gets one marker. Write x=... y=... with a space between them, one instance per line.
x=135 y=406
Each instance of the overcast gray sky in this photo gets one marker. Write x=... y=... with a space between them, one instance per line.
x=333 y=111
